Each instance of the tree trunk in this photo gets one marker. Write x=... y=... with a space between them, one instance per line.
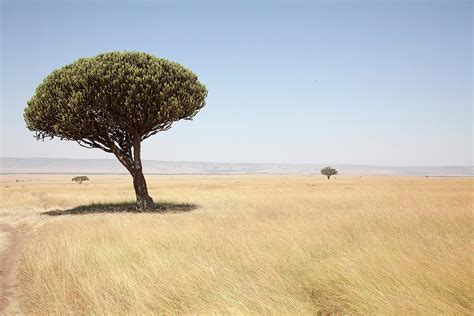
x=329 y=177
x=134 y=166
x=144 y=201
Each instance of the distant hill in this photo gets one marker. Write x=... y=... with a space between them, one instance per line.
x=111 y=166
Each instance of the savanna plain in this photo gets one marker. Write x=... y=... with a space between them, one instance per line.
x=239 y=245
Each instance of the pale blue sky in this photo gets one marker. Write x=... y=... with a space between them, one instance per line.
x=374 y=82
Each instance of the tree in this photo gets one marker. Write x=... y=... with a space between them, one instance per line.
x=328 y=172
x=113 y=102
x=80 y=179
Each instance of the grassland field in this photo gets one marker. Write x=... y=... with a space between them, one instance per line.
x=252 y=244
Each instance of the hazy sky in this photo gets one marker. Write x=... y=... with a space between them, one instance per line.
x=374 y=82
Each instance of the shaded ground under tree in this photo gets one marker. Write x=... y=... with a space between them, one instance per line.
x=125 y=207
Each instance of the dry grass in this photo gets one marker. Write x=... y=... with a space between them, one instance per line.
x=371 y=245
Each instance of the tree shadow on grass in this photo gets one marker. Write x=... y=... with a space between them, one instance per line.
x=126 y=207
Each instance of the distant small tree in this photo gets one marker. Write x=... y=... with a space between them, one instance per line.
x=328 y=172
x=80 y=179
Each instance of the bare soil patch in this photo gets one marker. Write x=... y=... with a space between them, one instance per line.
x=8 y=263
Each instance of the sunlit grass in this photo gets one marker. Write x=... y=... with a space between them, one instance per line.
x=371 y=245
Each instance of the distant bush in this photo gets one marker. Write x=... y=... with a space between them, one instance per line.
x=80 y=179
x=328 y=172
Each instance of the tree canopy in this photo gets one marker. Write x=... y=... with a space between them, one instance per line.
x=80 y=179
x=113 y=100
x=328 y=172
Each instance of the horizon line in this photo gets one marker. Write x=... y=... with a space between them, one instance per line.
x=249 y=163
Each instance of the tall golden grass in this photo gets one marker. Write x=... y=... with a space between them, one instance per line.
x=285 y=245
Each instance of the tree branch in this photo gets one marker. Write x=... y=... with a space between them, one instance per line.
x=93 y=144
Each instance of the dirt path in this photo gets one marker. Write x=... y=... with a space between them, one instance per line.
x=8 y=262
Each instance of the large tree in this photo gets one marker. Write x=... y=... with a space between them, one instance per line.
x=113 y=102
